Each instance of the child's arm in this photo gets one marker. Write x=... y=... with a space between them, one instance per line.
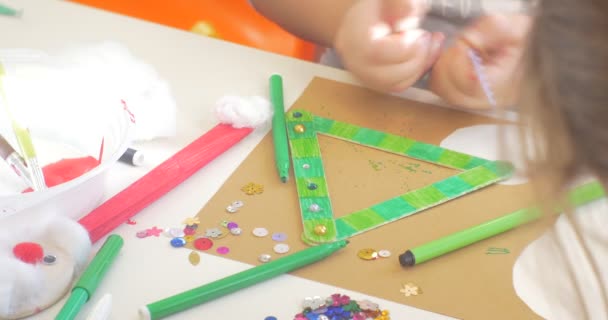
x=377 y=40
x=313 y=20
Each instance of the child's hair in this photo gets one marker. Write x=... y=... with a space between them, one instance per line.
x=565 y=104
x=565 y=90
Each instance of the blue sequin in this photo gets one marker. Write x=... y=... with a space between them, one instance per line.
x=178 y=242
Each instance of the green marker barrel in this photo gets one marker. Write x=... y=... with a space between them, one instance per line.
x=578 y=196
x=249 y=277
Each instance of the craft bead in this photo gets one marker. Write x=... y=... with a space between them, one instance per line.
x=367 y=254
x=314 y=207
x=297 y=114
x=312 y=186
x=320 y=229
x=264 y=257
x=236 y=231
x=299 y=128
x=260 y=232
x=49 y=259
x=203 y=243
x=384 y=253
x=178 y=242
x=281 y=248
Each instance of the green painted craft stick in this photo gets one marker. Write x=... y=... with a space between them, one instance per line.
x=235 y=282
x=279 y=133
x=579 y=196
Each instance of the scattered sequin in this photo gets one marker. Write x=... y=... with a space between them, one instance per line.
x=384 y=253
x=299 y=128
x=252 y=188
x=320 y=229
x=297 y=114
x=131 y=222
x=213 y=232
x=189 y=238
x=312 y=186
x=314 y=208
x=281 y=248
x=279 y=236
x=260 y=232
x=367 y=254
x=313 y=303
x=236 y=231
x=49 y=259
x=270 y=318
x=306 y=166
x=142 y=234
x=178 y=242
x=238 y=204
x=154 y=231
x=232 y=225
x=192 y=221
x=231 y=209
x=175 y=233
x=223 y=250
x=189 y=231
x=224 y=223
x=264 y=257
x=203 y=243
x=194 y=258
x=410 y=289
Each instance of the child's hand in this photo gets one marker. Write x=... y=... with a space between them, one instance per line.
x=380 y=43
x=499 y=40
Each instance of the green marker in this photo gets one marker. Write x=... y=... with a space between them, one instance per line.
x=249 y=277
x=279 y=131
x=90 y=279
x=8 y=11
x=579 y=196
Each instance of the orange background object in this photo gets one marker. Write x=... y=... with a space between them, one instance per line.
x=232 y=20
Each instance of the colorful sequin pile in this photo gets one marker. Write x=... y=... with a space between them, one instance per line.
x=340 y=307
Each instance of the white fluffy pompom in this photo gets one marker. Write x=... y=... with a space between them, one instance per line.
x=241 y=112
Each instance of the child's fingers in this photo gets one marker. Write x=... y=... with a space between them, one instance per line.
x=403 y=15
x=495 y=32
x=397 y=48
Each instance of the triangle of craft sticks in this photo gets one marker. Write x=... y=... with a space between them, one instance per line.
x=320 y=225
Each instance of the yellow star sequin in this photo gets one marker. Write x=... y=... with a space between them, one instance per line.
x=252 y=188
x=410 y=289
x=192 y=221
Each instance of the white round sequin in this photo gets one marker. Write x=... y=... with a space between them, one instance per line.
x=323 y=317
x=238 y=204
x=231 y=209
x=281 y=248
x=264 y=257
x=384 y=253
x=236 y=231
x=306 y=166
x=174 y=232
x=314 y=207
x=260 y=232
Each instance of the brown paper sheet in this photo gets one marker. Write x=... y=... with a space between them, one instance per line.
x=467 y=284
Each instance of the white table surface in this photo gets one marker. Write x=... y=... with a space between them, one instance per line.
x=199 y=70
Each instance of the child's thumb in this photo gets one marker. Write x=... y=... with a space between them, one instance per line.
x=403 y=15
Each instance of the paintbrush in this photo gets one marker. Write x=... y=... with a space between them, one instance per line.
x=24 y=140
x=15 y=161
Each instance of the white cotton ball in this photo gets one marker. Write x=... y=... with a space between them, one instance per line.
x=241 y=112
